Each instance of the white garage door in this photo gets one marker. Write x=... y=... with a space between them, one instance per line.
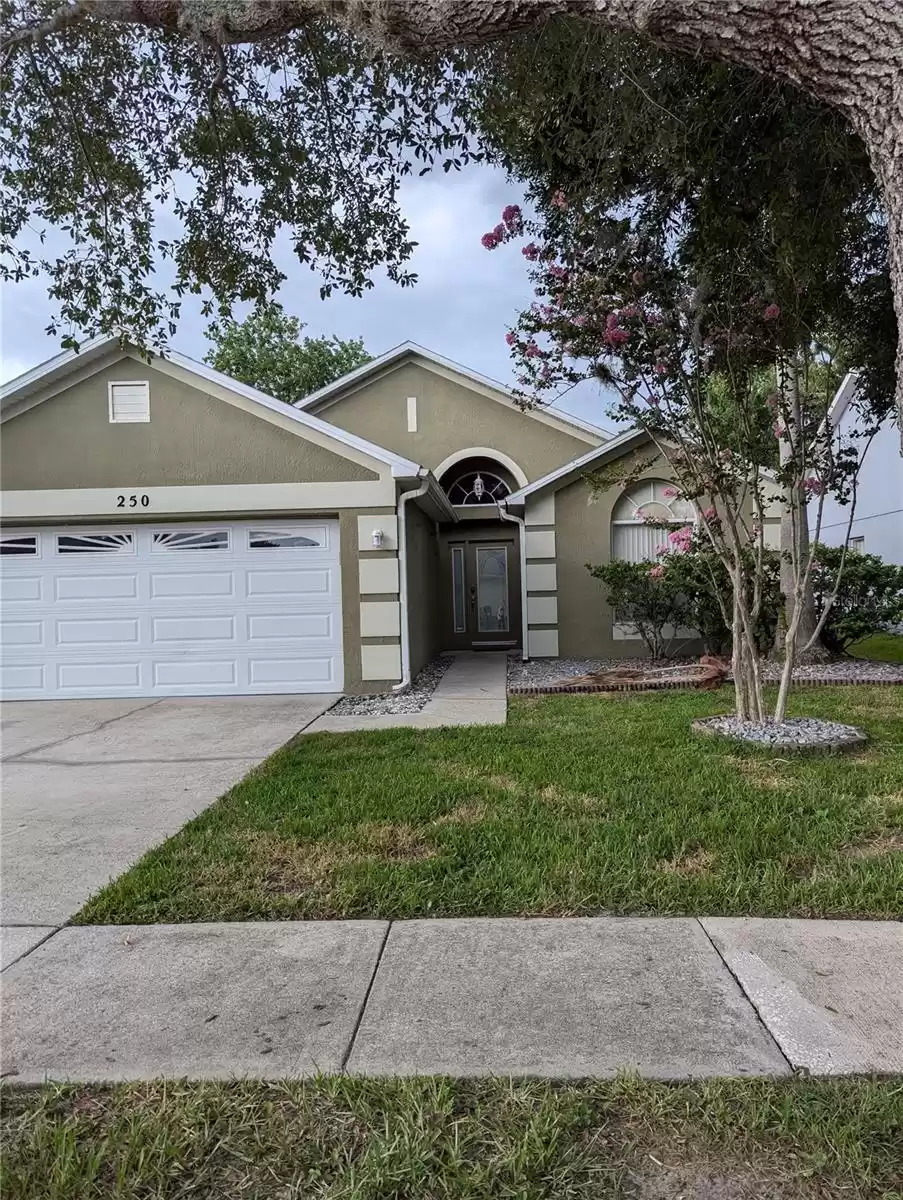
x=170 y=610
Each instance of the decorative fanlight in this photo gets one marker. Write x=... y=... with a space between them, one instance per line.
x=477 y=488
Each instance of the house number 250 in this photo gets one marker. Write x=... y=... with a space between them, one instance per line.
x=142 y=500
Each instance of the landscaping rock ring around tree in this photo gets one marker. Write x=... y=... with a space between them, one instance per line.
x=799 y=735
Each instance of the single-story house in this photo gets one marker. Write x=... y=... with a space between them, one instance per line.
x=169 y=531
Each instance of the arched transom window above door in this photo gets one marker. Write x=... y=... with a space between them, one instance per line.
x=632 y=538
x=477 y=481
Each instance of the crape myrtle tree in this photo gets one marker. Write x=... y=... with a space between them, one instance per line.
x=684 y=352
x=733 y=165
x=272 y=112
x=267 y=351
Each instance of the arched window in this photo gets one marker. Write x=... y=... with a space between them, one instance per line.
x=631 y=538
x=477 y=481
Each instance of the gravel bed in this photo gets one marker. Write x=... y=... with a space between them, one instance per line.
x=798 y=734
x=387 y=704
x=542 y=672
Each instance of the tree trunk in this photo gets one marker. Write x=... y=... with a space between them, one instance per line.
x=846 y=53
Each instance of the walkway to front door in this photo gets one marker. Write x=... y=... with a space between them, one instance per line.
x=473 y=691
x=481 y=587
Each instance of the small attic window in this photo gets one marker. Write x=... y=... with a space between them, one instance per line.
x=129 y=401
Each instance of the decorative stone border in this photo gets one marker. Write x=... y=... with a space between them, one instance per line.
x=835 y=737
x=555 y=689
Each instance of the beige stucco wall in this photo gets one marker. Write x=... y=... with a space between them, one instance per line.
x=352 y=641
x=191 y=439
x=450 y=417
x=425 y=610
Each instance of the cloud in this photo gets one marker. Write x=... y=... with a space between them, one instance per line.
x=464 y=300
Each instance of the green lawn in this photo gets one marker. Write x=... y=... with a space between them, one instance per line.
x=884 y=647
x=436 y=1139
x=581 y=804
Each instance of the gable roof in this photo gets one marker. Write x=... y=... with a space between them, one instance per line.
x=56 y=369
x=577 y=466
x=411 y=350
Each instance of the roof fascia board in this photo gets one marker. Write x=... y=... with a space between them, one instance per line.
x=562 y=475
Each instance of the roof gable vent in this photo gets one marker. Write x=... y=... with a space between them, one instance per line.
x=129 y=401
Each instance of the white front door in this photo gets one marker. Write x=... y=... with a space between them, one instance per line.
x=205 y=609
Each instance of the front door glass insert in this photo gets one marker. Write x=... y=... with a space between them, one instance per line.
x=492 y=589
x=459 y=601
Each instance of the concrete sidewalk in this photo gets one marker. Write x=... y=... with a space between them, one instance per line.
x=473 y=691
x=669 y=998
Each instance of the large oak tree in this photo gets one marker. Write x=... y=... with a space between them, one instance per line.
x=845 y=53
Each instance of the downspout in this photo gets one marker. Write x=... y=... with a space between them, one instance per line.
x=522 y=539
x=403 y=583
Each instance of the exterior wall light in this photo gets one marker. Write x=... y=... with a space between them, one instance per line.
x=376 y=537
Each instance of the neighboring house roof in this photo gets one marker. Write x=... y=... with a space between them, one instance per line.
x=580 y=466
x=843 y=397
x=56 y=369
x=411 y=350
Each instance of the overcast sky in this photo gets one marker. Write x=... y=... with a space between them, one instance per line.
x=464 y=301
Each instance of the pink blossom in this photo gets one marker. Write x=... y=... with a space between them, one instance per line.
x=660 y=369
x=655 y=401
x=559 y=200
x=813 y=486
x=681 y=539
x=511 y=215
x=779 y=429
x=630 y=310
x=558 y=272
x=771 y=313
x=489 y=241
x=579 y=320
x=617 y=337
x=638 y=278
x=656 y=572
x=530 y=251
x=499 y=232
x=670 y=492
x=773 y=400
x=531 y=350
x=710 y=513
x=510 y=337
x=611 y=320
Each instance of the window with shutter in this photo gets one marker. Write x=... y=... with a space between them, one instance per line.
x=129 y=401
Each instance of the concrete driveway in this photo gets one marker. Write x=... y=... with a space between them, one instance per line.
x=90 y=785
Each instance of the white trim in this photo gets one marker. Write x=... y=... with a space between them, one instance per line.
x=380 y=662
x=380 y=618
x=412 y=414
x=619 y=443
x=118 y=383
x=502 y=459
x=540 y=543
x=377 y=576
x=842 y=397
x=543 y=610
x=215 y=499
x=173 y=362
x=543 y=643
x=495 y=390
x=542 y=577
x=541 y=511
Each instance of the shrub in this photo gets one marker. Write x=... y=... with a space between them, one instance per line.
x=869 y=599
x=683 y=588
x=640 y=594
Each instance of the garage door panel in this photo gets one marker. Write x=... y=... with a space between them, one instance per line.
x=96 y=587
x=265 y=627
x=182 y=585
x=21 y=633
x=222 y=617
x=195 y=674
x=27 y=589
x=193 y=629
x=97 y=674
x=281 y=583
x=293 y=672
x=99 y=631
